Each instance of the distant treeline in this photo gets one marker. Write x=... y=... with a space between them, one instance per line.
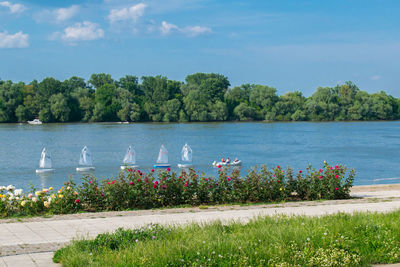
x=202 y=97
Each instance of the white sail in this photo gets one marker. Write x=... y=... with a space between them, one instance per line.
x=162 y=155
x=86 y=157
x=130 y=156
x=45 y=160
x=186 y=153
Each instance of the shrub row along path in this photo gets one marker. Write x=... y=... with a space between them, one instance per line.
x=31 y=241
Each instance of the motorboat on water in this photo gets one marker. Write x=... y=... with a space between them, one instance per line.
x=35 y=122
x=45 y=164
x=129 y=159
x=231 y=163
x=186 y=156
x=162 y=160
x=85 y=161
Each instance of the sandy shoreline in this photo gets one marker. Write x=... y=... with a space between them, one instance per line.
x=374 y=188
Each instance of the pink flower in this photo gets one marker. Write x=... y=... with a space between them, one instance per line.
x=336 y=167
x=229 y=179
x=156 y=182
x=273 y=175
x=219 y=166
x=337 y=188
x=108 y=183
x=154 y=186
x=168 y=169
x=77 y=200
x=320 y=177
x=331 y=168
x=283 y=171
x=138 y=171
x=90 y=182
x=30 y=196
x=205 y=179
x=130 y=170
x=278 y=167
x=300 y=171
x=152 y=170
x=138 y=180
x=320 y=170
x=186 y=184
x=278 y=181
x=113 y=182
x=131 y=183
x=336 y=176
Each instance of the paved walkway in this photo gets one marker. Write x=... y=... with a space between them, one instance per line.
x=31 y=242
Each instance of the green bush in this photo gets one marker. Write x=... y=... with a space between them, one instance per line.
x=133 y=189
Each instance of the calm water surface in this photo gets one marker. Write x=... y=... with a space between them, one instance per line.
x=372 y=148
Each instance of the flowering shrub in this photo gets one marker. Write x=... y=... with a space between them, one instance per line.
x=133 y=189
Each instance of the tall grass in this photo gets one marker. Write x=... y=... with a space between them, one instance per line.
x=336 y=240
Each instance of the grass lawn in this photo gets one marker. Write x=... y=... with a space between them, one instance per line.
x=337 y=240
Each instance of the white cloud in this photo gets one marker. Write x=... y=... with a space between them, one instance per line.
x=57 y=15
x=17 y=40
x=81 y=31
x=375 y=77
x=63 y=14
x=14 y=8
x=166 y=28
x=191 y=31
x=132 y=13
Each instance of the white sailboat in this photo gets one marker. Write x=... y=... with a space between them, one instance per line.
x=129 y=159
x=45 y=164
x=186 y=156
x=162 y=160
x=85 y=161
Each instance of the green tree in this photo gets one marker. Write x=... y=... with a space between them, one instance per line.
x=59 y=108
x=244 y=112
x=100 y=79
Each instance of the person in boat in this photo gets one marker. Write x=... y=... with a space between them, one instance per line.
x=223 y=160
x=236 y=160
x=228 y=160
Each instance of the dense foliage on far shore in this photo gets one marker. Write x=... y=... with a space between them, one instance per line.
x=359 y=239
x=202 y=97
x=137 y=190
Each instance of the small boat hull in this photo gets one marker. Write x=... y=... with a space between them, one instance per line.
x=129 y=167
x=44 y=170
x=35 y=122
x=233 y=163
x=166 y=165
x=185 y=165
x=85 y=169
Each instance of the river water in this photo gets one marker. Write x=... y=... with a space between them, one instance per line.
x=372 y=148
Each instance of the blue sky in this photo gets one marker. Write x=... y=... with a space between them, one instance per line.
x=291 y=44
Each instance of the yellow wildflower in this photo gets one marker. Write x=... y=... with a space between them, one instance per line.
x=50 y=188
x=23 y=203
x=37 y=193
x=60 y=196
x=52 y=196
x=46 y=204
x=2 y=196
x=281 y=188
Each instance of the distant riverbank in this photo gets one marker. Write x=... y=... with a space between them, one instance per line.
x=203 y=97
